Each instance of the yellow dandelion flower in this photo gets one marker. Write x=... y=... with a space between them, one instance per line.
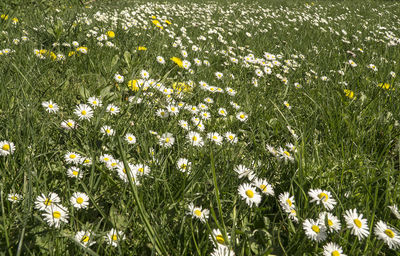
x=178 y=61
x=133 y=85
x=110 y=34
x=386 y=86
x=349 y=93
x=142 y=48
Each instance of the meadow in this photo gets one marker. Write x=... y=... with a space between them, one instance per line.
x=200 y=128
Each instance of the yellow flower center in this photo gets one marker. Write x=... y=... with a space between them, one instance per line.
x=6 y=147
x=220 y=239
x=72 y=156
x=230 y=137
x=289 y=202
x=389 y=233
x=194 y=138
x=114 y=237
x=75 y=173
x=85 y=239
x=323 y=196
x=315 y=228
x=86 y=161
x=167 y=140
x=183 y=166
x=197 y=213
x=56 y=214
x=141 y=170
x=250 y=193
x=50 y=106
x=69 y=124
x=106 y=159
x=286 y=153
x=79 y=200
x=241 y=116
x=113 y=164
x=14 y=198
x=358 y=223
x=330 y=223
x=215 y=137
x=47 y=202
x=130 y=138
x=83 y=112
x=108 y=131
x=335 y=253
x=263 y=188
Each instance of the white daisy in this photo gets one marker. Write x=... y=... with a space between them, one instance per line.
x=79 y=200
x=286 y=202
x=130 y=138
x=72 y=157
x=331 y=222
x=198 y=212
x=243 y=171
x=113 y=237
x=50 y=106
x=184 y=165
x=231 y=137
x=215 y=137
x=167 y=140
x=83 y=111
x=355 y=222
x=388 y=235
x=241 y=116
x=112 y=109
x=119 y=78
x=68 y=124
x=14 y=197
x=75 y=172
x=315 y=230
x=95 y=102
x=6 y=148
x=85 y=238
x=107 y=130
x=322 y=196
x=265 y=187
x=54 y=215
x=249 y=194
x=42 y=202
x=195 y=139
x=332 y=249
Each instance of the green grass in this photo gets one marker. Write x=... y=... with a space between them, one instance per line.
x=346 y=146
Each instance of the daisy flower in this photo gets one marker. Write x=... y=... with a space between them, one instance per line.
x=184 y=124
x=107 y=130
x=388 y=235
x=222 y=112
x=167 y=140
x=184 y=165
x=315 y=230
x=50 y=106
x=249 y=194
x=85 y=161
x=205 y=115
x=332 y=249
x=85 y=238
x=243 y=171
x=144 y=74
x=395 y=211
x=118 y=78
x=75 y=172
x=173 y=110
x=14 y=197
x=222 y=251
x=286 y=202
x=106 y=158
x=285 y=155
x=231 y=137
x=113 y=237
x=42 y=202
x=218 y=75
x=331 y=222
x=352 y=63
x=216 y=236
x=265 y=187
x=198 y=212
x=79 y=200
x=6 y=148
x=72 y=158
x=95 y=102
x=356 y=223
x=215 y=137
x=160 y=60
x=162 y=113
x=83 y=111
x=55 y=215
x=124 y=176
x=130 y=138
x=287 y=105
x=195 y=139
x=112 y=109
x=322 y=196
x=209 y=100
x=68 y=124
x=241 y=116
x=140 y=169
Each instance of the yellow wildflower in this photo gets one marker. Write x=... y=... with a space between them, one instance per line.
x=386 y=86
x=142 y=48
x=349 y=93
x=110 y=34
x=178 y=61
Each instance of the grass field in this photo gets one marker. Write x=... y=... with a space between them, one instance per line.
x=190 y=128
